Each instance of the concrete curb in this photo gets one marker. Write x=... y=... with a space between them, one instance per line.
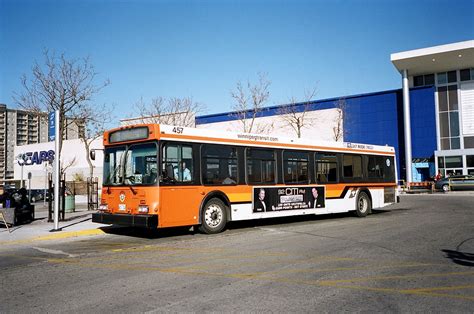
x=56 y=236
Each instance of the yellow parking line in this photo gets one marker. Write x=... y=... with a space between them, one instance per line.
x=56 y=236
x=399 y=277
x=258 y=276
x=440 y=288
x=363 y=267
x=390 y=290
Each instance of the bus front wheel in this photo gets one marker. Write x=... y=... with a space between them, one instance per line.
x=214 y=216
x=363 y=205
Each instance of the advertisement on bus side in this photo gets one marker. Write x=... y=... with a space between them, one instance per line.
x=269 y=199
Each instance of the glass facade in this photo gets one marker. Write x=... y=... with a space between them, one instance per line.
x=466 y=75
x=424 y=80
x=451 y=101
x=448 y=113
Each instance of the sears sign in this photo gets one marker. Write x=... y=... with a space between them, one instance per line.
x=37 y=158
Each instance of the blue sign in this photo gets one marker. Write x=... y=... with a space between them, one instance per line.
x=52 y=125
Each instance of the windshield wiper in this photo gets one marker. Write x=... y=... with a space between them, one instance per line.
x=133 y=191
x=132 y=180
x=109 y=178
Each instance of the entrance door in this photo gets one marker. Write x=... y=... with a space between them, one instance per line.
x=179 y=206
x=180 y=199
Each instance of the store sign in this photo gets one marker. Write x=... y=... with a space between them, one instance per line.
x=37 y=158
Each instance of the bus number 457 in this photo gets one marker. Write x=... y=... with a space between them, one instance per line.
x=178 y=130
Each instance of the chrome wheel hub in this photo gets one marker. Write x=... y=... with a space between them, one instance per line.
x=213 y=215
x=363 y=205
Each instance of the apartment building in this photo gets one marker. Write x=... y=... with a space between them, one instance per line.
x=18 y=128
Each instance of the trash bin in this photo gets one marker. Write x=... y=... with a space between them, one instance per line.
x=70 y=204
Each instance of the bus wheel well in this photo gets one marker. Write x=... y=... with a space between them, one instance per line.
x=366 y=191
x=215 y=194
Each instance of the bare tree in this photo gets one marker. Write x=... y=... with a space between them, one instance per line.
x=249 y=101
x=67 y=164
x=173 y=111
x=67 y=85
x=91 y=126
x=339 y=132
x=295 y=113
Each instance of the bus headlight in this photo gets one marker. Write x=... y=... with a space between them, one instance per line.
x=103 y=207
x=143 y=209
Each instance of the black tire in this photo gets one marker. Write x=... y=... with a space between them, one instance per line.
x=445 y=188
x=214 y=216
x=363 y=205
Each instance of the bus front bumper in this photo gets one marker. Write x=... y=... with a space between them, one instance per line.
x=144 y=221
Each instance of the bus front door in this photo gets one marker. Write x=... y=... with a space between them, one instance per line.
x=179 y=206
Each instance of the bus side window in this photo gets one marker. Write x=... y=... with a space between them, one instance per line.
x=260 y=166
x=219 y=164
x=376 y=166
x=352 y=166
x=177 y=163
x=326 y=168
x=295 y=165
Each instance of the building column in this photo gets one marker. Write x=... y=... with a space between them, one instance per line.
x=407 y=126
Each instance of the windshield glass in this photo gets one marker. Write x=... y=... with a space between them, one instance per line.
x=113 y=165
x=140 y=166
x=132 y=165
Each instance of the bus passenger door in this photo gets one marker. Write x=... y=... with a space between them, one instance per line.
x=179 y=206
x=180 y=198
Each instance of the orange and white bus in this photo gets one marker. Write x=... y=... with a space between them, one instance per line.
x=160 y=176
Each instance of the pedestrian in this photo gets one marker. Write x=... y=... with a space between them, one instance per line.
x=438 y=176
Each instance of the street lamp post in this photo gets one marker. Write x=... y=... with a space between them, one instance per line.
x=21 y=161
x=45 y=182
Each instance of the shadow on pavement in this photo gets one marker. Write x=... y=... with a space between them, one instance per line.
x=233 y=226
x=147 y=233
x=459 y=257
x=77 y=222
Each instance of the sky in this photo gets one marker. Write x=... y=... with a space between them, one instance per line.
x=201 y=49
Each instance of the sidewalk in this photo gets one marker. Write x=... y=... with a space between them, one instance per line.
x=77 y=223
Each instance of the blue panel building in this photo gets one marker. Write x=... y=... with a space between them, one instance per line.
x=374 y=118
x=429 y=121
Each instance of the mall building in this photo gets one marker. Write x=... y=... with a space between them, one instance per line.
x=21 y=128
x=429 y=120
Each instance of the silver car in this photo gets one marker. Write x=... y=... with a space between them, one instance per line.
x=457 y=182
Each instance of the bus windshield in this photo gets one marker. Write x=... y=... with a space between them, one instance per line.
x=131 y=165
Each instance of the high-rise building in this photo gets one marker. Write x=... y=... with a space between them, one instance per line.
x=21 y=127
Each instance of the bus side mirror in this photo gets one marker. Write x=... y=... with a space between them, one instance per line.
x=92 y=154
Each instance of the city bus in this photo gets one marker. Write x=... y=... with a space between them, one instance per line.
x=159 y=176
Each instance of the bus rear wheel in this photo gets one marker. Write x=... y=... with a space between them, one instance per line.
x=214 y=217
x=363 y=205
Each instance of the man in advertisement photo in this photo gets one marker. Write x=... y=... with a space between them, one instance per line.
x=260 y=203
x=317 y=199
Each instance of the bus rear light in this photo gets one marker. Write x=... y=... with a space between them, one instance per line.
x=103 y=207
x=143 y=209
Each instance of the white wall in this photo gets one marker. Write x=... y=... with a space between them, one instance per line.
x=320 y=125
x=73 y=151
